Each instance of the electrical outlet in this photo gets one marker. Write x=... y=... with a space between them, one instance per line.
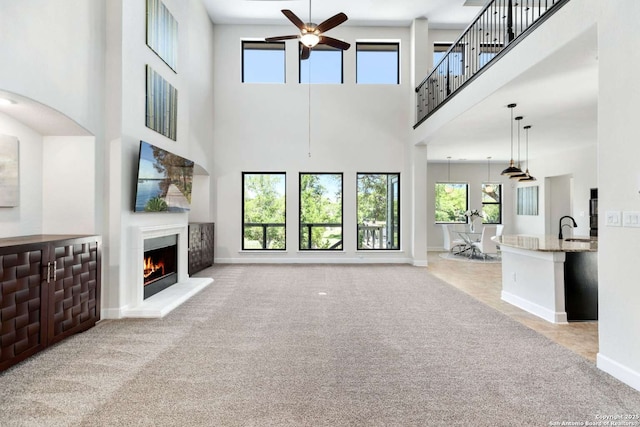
x=612 y=219
x=631 y=219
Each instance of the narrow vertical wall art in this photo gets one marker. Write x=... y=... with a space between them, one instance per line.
x=161 y=105
x=162 y=32
x=9 y=171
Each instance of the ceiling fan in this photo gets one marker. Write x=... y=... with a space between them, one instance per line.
x=312 y=34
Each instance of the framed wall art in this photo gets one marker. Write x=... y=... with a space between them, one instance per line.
x=162 y=32
x=9 y=171
x=161 y=105
x=527 y=199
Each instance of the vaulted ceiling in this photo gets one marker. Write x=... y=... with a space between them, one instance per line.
x=565 y=120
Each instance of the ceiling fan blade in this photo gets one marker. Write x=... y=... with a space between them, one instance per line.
x=332 y=22
x=294 y=19
x=338 y=44
x=279 y=38
x=305 y=52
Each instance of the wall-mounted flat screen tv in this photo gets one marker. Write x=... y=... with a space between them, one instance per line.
x=164 y=181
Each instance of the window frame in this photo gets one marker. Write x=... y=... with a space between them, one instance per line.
x=264 y=43
x=380 y=43
x=320 y=47
x=399 y=212
x=465 y=220
x=300 y=224
x=264 y=225
x=499 y=203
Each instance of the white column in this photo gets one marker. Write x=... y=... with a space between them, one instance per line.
x=419 y=205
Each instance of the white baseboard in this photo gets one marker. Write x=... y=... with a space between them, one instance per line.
x=618 y=371
x=317 y=260
x=111 y=313
x=533 y=308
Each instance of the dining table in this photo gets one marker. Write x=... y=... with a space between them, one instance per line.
x=469 y=237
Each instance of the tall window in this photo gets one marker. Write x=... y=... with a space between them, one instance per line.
x=491 y=203
x=321 y=211
x=452 y=202
x=263 y=211
x=324 y=65
x=455 y=64
x=487 y=52
x=378 y=211
x=263 y=62
x=378 y=63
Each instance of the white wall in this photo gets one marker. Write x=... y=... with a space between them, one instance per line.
x=264 y=127
x=580 y=165
x=55 y=51
x=618 y=171
x=128 y=54
x=26 y=218
x=474 y=174
x=68 y=196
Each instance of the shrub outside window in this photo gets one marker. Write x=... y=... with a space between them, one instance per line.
x=263 y=211
x=378 y=208
x=491 y=203
x=451 y=202
x=321 y=211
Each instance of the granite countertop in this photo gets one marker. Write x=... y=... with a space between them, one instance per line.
x=547 y=243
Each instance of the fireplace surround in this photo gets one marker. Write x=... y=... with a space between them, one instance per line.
x=162 y=302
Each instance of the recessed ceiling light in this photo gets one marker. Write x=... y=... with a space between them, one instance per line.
x=4 y=101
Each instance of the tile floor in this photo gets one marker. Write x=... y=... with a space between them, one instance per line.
x=484 y=282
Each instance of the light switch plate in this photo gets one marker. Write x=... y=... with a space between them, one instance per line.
x=631 y=219
x=612 y=219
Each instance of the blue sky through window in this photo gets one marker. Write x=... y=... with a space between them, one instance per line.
x=325 y=67
x=377 y=67
x=263 y=65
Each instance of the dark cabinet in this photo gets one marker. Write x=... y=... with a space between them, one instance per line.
x=201 y=236
x=49 y=289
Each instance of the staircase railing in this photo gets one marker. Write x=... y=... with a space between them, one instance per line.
x=500 y=25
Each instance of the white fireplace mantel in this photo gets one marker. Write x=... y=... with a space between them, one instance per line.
x=163 y=302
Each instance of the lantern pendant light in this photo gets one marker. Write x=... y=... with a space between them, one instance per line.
x=517 y=176
x=489 y=187
x=512 y=169
x=448 y=188
x=527 y=176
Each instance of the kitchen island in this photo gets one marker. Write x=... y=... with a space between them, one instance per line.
x=550 y=277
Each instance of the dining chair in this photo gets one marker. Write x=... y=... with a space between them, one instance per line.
x=451 y=239
x=486 y=246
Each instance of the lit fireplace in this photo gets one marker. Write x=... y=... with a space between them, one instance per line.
x=160 y=266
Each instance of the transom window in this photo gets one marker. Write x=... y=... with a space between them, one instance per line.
x=321 y=211
x=455 y=63
x=263 y=210
x=263 y=62
x=452 y=201
x=377 y=63
x=491 y=203
x=324 y=65
x=378 y=201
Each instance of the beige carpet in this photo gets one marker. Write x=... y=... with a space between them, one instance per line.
x=321 y=345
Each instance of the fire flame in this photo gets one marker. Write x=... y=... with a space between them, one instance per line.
x=150 y=267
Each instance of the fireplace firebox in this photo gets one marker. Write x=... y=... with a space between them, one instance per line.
x=160 y=266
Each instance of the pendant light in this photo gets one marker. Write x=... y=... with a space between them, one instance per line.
x=448 y=188
x=517 y=176
x=512 y=169
x=488 y=188
x=527 y=176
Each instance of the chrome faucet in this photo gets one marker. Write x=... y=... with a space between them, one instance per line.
x=560 y=224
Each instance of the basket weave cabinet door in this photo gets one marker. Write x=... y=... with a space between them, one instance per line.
x=22 y=303
x=74 y=300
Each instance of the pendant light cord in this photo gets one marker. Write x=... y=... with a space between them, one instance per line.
x=309 y=84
